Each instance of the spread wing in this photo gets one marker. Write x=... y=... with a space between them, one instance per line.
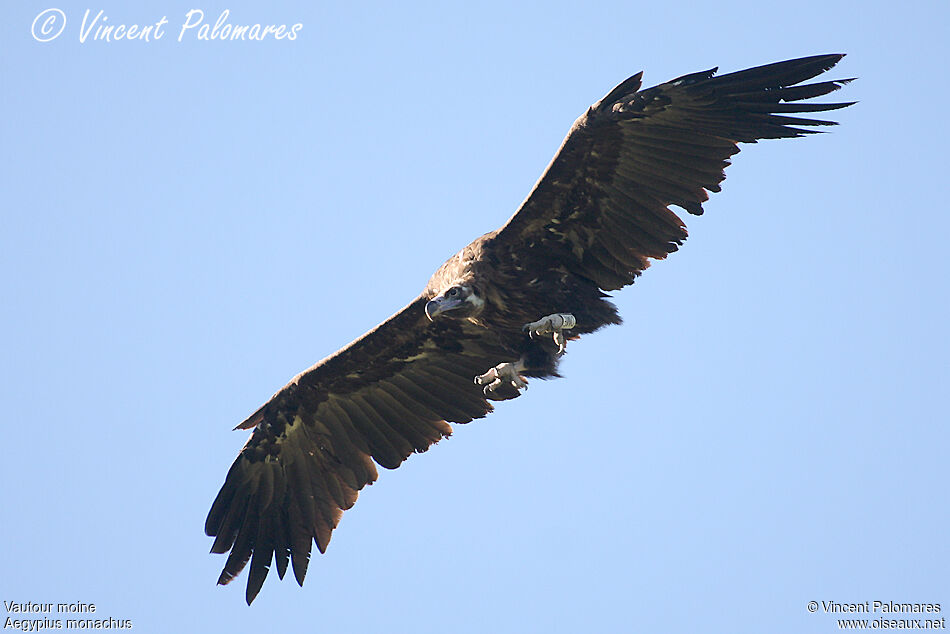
x=602 y=206
x=381 y=398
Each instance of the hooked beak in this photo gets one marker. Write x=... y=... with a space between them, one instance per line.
x=440 y=304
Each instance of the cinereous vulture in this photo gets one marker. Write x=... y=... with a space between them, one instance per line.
x=501 y=309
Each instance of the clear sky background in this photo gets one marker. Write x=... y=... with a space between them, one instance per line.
x=186 y=225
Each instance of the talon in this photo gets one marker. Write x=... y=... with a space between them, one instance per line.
x=503 y=381
x=561 y=342
x=552 y=324
x=487 y=378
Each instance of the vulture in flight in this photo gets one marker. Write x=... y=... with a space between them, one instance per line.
x=501 y=309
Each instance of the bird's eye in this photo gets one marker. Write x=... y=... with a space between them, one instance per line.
x=452 y=292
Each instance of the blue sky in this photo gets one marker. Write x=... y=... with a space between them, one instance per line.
x=186 y=225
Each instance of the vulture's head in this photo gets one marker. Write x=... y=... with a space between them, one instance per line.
x=458 y=300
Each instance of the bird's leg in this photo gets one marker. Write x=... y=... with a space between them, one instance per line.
x=503 y=381
x=555 y=323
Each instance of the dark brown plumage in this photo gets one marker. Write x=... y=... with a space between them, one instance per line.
x=591 y=224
